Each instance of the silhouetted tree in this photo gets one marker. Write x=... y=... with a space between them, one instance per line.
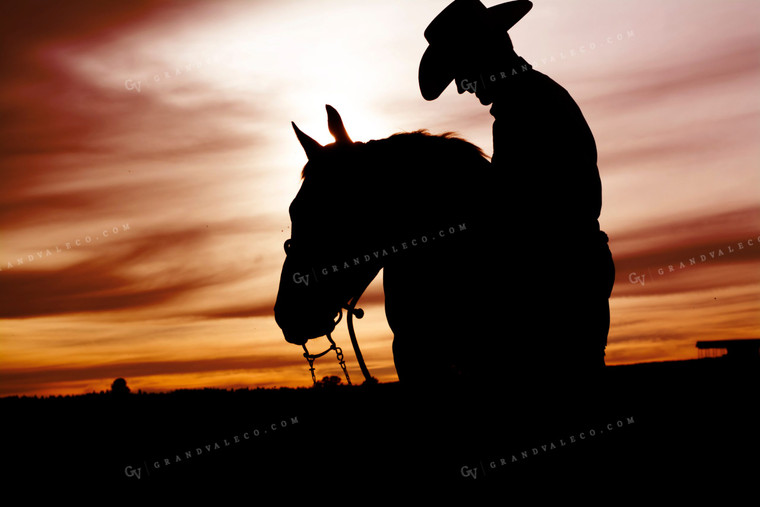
x=329 y=382
x=119 y=387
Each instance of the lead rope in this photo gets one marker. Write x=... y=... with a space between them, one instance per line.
x=352 y=310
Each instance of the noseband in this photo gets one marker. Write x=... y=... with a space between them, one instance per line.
x=352 y=311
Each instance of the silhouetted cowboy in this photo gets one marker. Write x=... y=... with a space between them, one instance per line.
x=561 y=268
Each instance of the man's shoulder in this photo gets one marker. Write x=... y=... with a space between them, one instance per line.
x=544 y=82
x=533 y=90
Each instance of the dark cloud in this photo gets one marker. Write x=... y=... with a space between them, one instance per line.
x=261 y=310
x=104 y=282
x=36 y=89
x=373 y=296
x=26 y=27
x=692 y=233
x=62 y=127
x=663 y=80
x=683 y=254
x=24 y=211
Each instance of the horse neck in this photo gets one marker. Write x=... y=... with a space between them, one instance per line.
x=412 y=204
x=419 y=186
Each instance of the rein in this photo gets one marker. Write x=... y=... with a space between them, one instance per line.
x=351 y=309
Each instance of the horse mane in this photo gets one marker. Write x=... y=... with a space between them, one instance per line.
x=405 y=143
x=449 y=139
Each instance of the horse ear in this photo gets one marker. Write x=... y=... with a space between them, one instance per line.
x=335 y=124
x=310 y=146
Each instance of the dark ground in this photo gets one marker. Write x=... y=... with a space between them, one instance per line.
x=688 y=427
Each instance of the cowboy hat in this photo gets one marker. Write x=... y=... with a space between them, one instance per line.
x=459 y=26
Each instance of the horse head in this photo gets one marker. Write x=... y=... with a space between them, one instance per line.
x=326 y=229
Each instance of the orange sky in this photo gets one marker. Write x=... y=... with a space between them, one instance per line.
x=147 y=163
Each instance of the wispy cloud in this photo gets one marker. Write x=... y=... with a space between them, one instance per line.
x=201 y=163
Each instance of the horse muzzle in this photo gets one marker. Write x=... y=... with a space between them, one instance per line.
x=302 y=327
x=299 y=336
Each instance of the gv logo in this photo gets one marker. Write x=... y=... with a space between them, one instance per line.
x=132 y=85
x=299 y=278
x=132 y=472
x=634 y=278
x=469 y=472
x=467 y=85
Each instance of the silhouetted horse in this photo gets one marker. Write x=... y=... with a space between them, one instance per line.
x=426 y=209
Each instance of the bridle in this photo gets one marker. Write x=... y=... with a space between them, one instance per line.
x=352 y=311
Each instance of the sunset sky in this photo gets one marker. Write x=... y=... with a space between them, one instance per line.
x=147 y=163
